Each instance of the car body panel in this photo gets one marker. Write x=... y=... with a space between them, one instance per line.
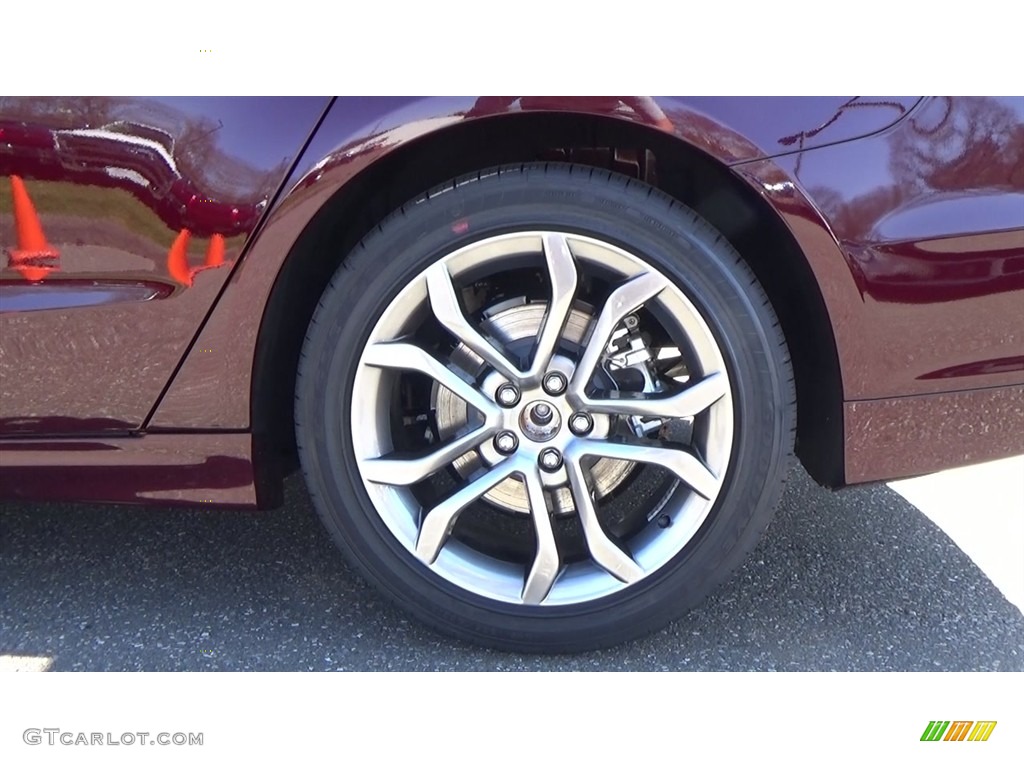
x=209 y=469
x=358 y=132
x=907 y=211
x=929 y=217
x=908 y=436
x=144 y=205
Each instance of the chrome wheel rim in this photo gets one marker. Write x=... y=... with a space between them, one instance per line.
x=551 y=433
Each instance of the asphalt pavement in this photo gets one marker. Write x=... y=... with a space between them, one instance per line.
x=855 y=580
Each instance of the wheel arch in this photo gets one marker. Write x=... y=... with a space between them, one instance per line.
x=258 y=324
x=726 y=199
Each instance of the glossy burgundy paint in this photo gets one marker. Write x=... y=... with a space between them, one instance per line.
x=910 y=214
x=358 y=132
x=208 y=469
x=929 y=218
x=115 y=182
x=139 y=159
x=906 y=436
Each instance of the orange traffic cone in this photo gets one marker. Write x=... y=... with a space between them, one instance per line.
x=177 y=259
x=215 y=252
x=32 y=253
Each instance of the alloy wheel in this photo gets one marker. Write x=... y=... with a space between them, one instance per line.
x=542 y=418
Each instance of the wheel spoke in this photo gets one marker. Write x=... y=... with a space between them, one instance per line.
x=439 y=521
x=691 y=401
x=603 y=550
x=546 y=563
x=562 y=274
x=621 y=302
x=446 y=308
x=408 y=470
x=680 y=462
x=409 y=357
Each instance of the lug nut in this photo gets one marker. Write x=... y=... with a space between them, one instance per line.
x=554 y=383
x=506 y=442
x=507 y=395
x=550 y=460
x=541 y=413
x=581 y=424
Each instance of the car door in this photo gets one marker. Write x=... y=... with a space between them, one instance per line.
x=120 y=219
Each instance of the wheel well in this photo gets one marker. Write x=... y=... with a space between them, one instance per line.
x=680 y=170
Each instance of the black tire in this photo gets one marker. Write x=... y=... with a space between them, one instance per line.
x=591 y=202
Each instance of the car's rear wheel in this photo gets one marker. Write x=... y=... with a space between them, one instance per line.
x=545 y=408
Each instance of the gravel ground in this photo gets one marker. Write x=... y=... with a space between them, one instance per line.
x=856 y=580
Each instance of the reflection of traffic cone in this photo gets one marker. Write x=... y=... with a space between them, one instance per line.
x=31 y=240
x=33 y=274
x=177 y=259
x=215 y=253
x=32 y=253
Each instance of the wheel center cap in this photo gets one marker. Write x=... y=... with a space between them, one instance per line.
x=540 y=421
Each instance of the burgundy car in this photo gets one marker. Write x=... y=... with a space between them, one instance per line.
x=545 y=363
